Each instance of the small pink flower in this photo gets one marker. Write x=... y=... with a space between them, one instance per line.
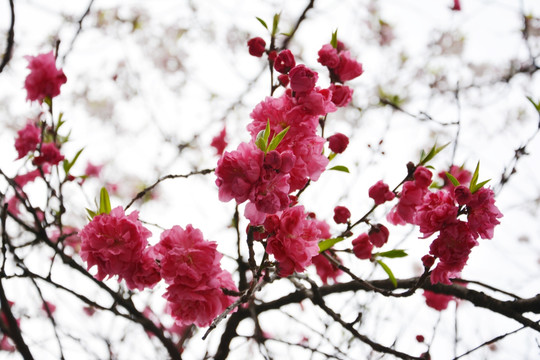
x=303 y=79
x=328 y=56
x=27 y=139
x=362 y=247
x=49 y=154
x=256 y=46
x=341 y=94
x=380 y=193
x=114 y=243
x=283 y=80
x=341 y=215
x=436 y=211
x=422 y=177
x=284 y=61
x=325 y=269
x=348 y=68
x=482 y=214
x=338 y=142
x=219 y=142
x=93 y=170
x=44 y=79
x=436 y=301
x=378 y=235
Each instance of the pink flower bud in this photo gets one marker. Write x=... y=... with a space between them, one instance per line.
x=380 y=192
x=362 y=247
x=284 y=61
x=378 y=235
x=328 y=56
x=341 y=95
x=283 y=80
x=462 y=194
x=428 y=261
x=422 y=177
x=256 y=46
x=303 y=79
x=338 y=142
x=341 y=214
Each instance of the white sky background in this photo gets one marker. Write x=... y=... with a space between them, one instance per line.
x=122 y=124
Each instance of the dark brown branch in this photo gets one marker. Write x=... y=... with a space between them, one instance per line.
x=10 y=38
x=302 y=17
x=79 y=29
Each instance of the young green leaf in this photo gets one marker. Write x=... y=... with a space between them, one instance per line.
x=331 y=156
x=479 y=186
x=397 y=253
x=333 y=42
x=536 y=105
x=452 y=179
x=474 y=178
x=259 y=141
x=275 y=24
x=104 y=202
x=340 y=168
x=69 y=164
x=328 y=243
x=262 y=22
x=389 y=272
x=277 y=139
x=424 y=159
x=91 y=214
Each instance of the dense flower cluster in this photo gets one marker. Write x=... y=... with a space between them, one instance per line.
x=44 y=79
x=117 y=244
x=439 y=212
x=191 y=267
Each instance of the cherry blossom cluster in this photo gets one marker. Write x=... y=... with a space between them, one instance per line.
x=285 y=152
x=456 y=214
x=117 y=244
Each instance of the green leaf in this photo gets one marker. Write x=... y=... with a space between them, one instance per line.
x=475 y=176
x=69 y=164
x=48 y=101
x=397 y=253
x=275 y=23
x=434 y=151
x=259 y=141
x=340 y=168
x=389 y=272
x=277 y=139
x=328 y=243
x=536 y=105
x=479 y=186
x=451 y=177
x=262 y=22
x=331 y=156
x=91 y=213
x=104 y=202
x=333 y=42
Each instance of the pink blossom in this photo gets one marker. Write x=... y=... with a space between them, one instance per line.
x=238 y=171
x=362 y=247
x=380 y=193
x=219 y=143
x=202 y=304
x=256 y=46
x=27 y=139
x=317 y=103
x=30 y=176
x=341 y=215
x=48 y=154
x=294 y=243
x=341 y=94
x=348 y=68
x=437 y=301
x=283 y=79
x=411 y=196
x=452 y=247
x=303 y=79
x=144 y=274
x=328 y=56
x=185 y=257
x=93 y=170
x=378 y=235
x=338 y=142
x=436 y=211
x=325 y=269
x=422 y=177
x=114 y=243
x=462 y=194
x=284 y=61
x=482 y=214
x=44 y=79
x=457 y=6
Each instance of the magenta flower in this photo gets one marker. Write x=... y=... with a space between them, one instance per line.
x=378 y=235
x=436 y=212
x=362 y=247
x=48 y=154
x=284 y=62
x=341 y=214
x=302 y=78
x=325 y=269
x=256 y=46
x=380 y=193
x=114 y=243
x=27 y=139
x=348 y=68
x=328 y=56
x=338 y=143
x=341 y=95
x=44 y=79
x=482 y=213
x=294 y=242
x=219 y=142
